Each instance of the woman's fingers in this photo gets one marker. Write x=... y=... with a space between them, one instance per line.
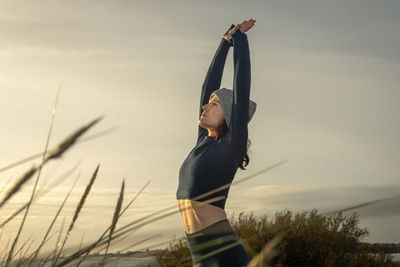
x=246 y=25
x=243 y=27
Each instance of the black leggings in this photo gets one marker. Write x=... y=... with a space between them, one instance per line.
x=217 y=245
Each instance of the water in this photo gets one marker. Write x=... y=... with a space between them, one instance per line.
x=395 y=257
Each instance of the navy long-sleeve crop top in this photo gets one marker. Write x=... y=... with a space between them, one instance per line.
x=213 y=163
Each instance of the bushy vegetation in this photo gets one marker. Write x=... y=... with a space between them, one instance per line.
x=309 y=239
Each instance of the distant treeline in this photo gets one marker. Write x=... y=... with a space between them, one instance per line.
x=387 y=248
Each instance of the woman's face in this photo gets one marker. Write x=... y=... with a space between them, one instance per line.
x=212 y=116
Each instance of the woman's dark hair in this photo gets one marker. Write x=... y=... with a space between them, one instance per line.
x=222 y=131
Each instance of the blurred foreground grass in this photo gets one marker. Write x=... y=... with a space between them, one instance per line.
x=301 y=239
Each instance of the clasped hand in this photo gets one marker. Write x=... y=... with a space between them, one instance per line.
x=243 y=27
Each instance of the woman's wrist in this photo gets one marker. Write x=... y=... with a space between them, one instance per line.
x=228 y=34
x=227 y=37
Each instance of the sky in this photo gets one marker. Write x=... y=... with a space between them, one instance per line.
x=325 y=78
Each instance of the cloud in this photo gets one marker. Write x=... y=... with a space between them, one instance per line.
x=324 y=198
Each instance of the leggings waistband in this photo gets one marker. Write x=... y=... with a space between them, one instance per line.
x=220 y=227
x=215 y=234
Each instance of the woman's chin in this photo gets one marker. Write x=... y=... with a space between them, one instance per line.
x=201 y=124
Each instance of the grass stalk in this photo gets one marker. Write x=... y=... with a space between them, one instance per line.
x=93 y=245
x=23 y=245
x=37 y=155
x=20 y=263
x=4 y=253
x=18 y=185
x=59 y=150
x=58 y=240
x=4 y=187
x=53 y=221
x=33 y=253
x=115 y=218
x=80 y=244
x=77 y=210
x=267 y=253
x=36 y=181
x=54 y=153
x=40 y=193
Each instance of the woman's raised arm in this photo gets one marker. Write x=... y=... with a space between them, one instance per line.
x=238 y=131
x=213 y=78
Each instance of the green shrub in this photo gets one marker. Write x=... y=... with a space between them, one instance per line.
x=310 y=239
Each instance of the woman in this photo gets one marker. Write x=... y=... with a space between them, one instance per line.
x=221 y=148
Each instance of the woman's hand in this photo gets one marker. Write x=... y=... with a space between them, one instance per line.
x=243 y=27
x=246 y=25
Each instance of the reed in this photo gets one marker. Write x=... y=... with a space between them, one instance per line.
x=55 y=254
x=23 y=257
x=4 y=253
x=5 y=185
x=87 y=249
x=23 y=245
x=14 y=244
x=40 y=193
x=115 y=218
x=18 y=184
x=32 y=254
x=51 y=254
x=267 y=253
x=53 y=221
x=61 y=148
x=54 y=153
x=37 y=155
x=77 y=210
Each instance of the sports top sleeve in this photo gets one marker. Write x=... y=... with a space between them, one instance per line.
x=213 y=78
x=238 y=132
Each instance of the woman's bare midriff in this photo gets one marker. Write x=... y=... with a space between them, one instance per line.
x=197 y=215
